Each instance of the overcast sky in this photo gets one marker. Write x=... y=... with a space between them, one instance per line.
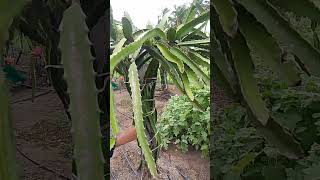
x=142 y=11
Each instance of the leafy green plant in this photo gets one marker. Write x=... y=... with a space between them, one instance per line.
x=150 y=49
x=233 y=138
x=244 y=31
x=183 y=124
x=239 y=150
x=275 y=126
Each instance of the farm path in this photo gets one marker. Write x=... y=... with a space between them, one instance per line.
x=42 y=134
x=172 y=163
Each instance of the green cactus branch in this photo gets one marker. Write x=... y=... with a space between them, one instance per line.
x=8 y=163
x=138 y=118
x=84 y=109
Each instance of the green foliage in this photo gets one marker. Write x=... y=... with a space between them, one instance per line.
x=246 y=41
x=138 y=118
x=185 y=125
x=8 y=166
x=170 y=49
x=8 y=12
x=284 y=59
x=296 y=109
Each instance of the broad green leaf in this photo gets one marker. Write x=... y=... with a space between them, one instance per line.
x=244 y=162
x=119 y=45
x=8 y=10
x=84 y=109
x=191 y=12
x=316 y=3
x=193 y=77
x=135 y=54
x=126 y=28
x=186 y=85
x=140 y=61
x=288 y=119
x=266 y=14
x=184 y=58
x=163 y=21
x=227 y=16
x=196 y=31
x=198 y=59
x=279 y=138
x=139 y=32
x=173 y=72
x=112 y=143
x=170 y=57
x=168 y=67
x=127 y=15
x=115 y=58
x=305 y=8
x=185 y=29
x=220 y=60
x=312 y=173
x=171 y=34
x=219 y=80
x=138 y=118
x=199 y=7
x=274 y=173
x=113 y=117
x=231 y=176
x=248 y=84
x=197 y=49
x=193 y=42
x=266 y=47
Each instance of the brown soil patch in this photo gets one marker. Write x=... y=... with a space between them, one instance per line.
x=172 y=163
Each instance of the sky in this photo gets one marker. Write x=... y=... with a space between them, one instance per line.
x=143 y=11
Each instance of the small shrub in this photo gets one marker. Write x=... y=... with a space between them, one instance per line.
x=185 y=125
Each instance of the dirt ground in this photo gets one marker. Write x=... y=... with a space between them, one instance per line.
x=43 y=136
x=172 y=163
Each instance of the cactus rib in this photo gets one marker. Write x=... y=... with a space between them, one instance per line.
x=84 y=109
x=138 y=118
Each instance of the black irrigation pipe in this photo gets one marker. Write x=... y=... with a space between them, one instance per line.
x=113 y=177
x=128 y=161
x=42 y=166
x=181 y=174
x=30 y=87
x=123 y=114
x=19 y=56
x=29 y=98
